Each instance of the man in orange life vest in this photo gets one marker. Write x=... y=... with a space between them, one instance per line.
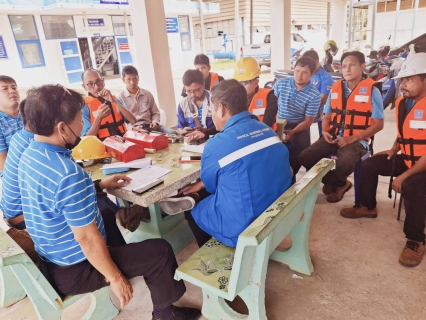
x=261 y=102
x=202 y=63
x=409 y=167
x=353 y=113
x=102 y=113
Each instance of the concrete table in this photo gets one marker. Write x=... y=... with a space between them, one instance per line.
x=174 y=229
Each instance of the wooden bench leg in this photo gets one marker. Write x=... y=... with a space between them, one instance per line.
x=101 y=306
x=11 y=289
x=298 y=257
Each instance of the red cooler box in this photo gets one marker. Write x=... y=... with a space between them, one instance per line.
x=123 y=151
x=147 y=140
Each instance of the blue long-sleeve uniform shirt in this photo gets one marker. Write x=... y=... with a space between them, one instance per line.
x=246 y=168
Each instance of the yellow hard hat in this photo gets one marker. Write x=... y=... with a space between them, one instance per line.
x=332 y=46
x=89 y=148
x=246 y=69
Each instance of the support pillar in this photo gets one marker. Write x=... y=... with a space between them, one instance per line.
x=280 y=34
x=151 y=50
x=338 y=30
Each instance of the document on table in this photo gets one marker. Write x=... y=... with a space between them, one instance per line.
x=144 y=175
x=136 y=164
x=194 y=148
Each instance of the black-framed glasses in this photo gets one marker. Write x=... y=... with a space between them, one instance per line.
x=194 y=91
x=98 y=82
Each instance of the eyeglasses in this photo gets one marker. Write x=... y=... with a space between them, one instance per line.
x=194 y=91
x=99 y=82
x=66 y=91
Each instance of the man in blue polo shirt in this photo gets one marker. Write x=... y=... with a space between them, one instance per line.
x=244 y=168
x=298 y=103
x=10 y=119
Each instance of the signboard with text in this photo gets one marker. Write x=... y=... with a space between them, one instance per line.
x=172 y=25
x=3 y=53
x=96 y=22
x=114 y=2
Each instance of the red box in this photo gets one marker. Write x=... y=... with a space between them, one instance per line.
x=123 y=151
x=147 y=140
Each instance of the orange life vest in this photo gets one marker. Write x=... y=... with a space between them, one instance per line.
x=111 y=125
x=353 y=114
x=259 y=103
x=412 y=141
x=214 y=79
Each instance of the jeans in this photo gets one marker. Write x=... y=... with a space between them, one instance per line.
x=298 y=142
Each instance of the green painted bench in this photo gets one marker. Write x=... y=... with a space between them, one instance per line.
x=223 y=272
x=21 y=276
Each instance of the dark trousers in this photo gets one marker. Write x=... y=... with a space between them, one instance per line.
x=347 y=157
x=298 y=142
x=153 y=259
x=199 y=234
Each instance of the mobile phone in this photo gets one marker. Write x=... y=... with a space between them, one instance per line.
x=190 y=159
x=147 y=186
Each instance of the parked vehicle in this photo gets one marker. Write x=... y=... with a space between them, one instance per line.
x=419 y=46
x=262 y=52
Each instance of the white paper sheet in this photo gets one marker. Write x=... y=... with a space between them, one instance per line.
x=144 y=175
x=194 y=148
x=137 y=164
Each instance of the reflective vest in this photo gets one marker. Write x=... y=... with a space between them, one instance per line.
x=353 y=114
x=411 y=130
x=258 y=104
x=111 y=125
x=214 y=79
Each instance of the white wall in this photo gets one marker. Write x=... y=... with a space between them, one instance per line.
x=181 y=59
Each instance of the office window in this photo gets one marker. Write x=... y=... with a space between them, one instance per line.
x=27 y=41
x=119 y=26
x=185 y=33
x=58 y=27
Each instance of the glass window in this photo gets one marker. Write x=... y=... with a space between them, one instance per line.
x=58 y=27
x=119 y=26
x=185 y=33
x=23 y=27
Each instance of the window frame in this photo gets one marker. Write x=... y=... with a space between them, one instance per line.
x=186 y=33
x=63 y=15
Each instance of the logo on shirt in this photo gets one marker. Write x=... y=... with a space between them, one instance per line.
x=259 y=103
x=363 y=90
x=418 y=114
x=315 y=82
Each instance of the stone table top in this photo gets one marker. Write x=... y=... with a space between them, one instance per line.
x=181 y=175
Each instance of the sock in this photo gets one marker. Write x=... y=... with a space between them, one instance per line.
x=164 y=313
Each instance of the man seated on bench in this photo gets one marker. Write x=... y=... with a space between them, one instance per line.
x=244 y=168
x=63 y=219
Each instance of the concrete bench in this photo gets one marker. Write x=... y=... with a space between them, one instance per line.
x=21 y=275
x=223 y=272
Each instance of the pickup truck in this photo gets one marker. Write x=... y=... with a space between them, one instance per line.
x=262 y=52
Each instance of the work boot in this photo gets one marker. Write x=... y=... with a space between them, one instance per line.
x=412 y=254
x=179 y=203
x=338 y=192
x=131 y=217
x=327 y=189
x=358 y=211
x=181 y=313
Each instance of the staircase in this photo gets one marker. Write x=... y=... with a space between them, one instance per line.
x=103 y=48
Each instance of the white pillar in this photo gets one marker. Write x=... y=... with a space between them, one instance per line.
x=328 y=20
x=126 y=27
x=151 y=51
x=373 y=24
x=236 y=27
x=89 y=42
x=200 y=3
x=350 y=23
x=338 y=28
x=280 y=34
x=395 y=30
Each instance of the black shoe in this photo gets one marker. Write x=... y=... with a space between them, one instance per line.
x=177 y=204
x=181 y=313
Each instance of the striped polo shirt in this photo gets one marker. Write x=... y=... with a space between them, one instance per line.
x=294 y=105
x=11 y=198
x=8 y=126
x=56 y=194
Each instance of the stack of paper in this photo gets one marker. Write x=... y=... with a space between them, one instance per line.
x=194 y=148
x=135 y=164
x=144 y=175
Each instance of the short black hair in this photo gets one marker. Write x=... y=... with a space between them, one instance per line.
x=7 y=79
x=359 y=55
x=231 y=94
x=192 y=76
x=84 y=72
x=48 y=105
x=306 y=62
x=22 y=111
x=201 y=59
x=311 y=54
x=129 y=70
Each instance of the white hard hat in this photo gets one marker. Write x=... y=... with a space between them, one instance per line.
x=414 y=64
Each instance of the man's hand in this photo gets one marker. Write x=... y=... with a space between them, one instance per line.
x=116 y=181
x=344 y=141
x=390 y=153
x=192 y=188
x=122 y=289
x=288 y=135
x=103 y=111
x=397 y=183
x=106 y=94
x=196 y=135
x=153 y=126
x=328 y=137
